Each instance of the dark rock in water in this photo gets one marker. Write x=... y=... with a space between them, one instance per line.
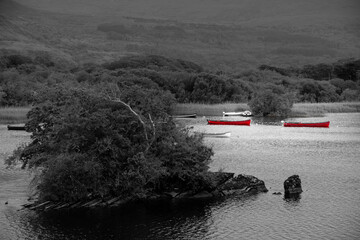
x=277 y=193
x=242 y=184
x=223 y=184
x=292 y=186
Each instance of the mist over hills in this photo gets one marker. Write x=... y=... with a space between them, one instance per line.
x=220 y=35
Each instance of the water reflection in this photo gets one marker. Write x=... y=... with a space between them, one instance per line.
x=181 y=219
x=292 y=197
x=150 y=220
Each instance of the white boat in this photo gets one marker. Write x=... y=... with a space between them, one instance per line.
x=244 y=113
x=217 y=135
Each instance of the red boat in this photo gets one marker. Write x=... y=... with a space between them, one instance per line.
x=299 y=124
x=226 y=122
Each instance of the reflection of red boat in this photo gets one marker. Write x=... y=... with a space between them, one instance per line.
x=299 y=124
x=225 y=122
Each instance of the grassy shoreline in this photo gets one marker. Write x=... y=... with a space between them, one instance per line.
x=11 y=115
x=298 y=110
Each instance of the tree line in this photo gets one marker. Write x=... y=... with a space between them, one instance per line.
x=21 y=78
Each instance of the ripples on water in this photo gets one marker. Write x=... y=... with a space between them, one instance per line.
x=327 y=161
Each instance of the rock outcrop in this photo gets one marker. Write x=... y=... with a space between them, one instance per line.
x=292 y=186
x=224 y=184
x=242 y=184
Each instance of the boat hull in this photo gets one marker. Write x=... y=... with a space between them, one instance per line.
x=185 y=116
x=16 y=127
x=223 y=122
x=320 y=124
x=242 y=114
x=218 y=135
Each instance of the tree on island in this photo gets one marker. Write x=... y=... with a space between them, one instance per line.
x=85 y=145
x=271 y=102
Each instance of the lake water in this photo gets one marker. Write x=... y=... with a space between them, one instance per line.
x=326 y=159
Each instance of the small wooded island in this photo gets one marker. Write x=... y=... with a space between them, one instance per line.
x=92 y=149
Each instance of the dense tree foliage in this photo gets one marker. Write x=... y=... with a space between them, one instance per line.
x=271 y=101
x=344 y=69
x=21 y=78
x=154 y=62
x=88 y=145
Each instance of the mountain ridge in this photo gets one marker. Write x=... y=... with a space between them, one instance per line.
x=268 y=34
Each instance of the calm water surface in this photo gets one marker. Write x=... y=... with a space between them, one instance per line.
x=327 y=160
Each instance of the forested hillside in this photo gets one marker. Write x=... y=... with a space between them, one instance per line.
x=222 y=36
x=307 y=51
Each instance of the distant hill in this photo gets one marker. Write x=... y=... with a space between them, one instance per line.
x=22 y=32
x=10 y=8
x=213 y=11
x=220 y=35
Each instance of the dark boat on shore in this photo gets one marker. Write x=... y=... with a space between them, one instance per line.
x=226 y=122
x=300 y=124
x=185 y=116
x=18 y=127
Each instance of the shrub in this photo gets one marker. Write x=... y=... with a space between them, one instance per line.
x=350 y=95
x=15 y=60
x=267 y=103
x=118 y=28
x=44 y=59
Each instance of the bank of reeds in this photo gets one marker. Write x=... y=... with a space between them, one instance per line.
x=298 y=110
x=208 y=109
x=322 y=108
x=9 y=115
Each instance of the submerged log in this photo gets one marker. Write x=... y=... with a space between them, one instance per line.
x=112 y=200
x=220 y=184
x=62 y=205
x=37 y=206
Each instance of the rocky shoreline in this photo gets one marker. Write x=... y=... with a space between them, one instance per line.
x=221 y=184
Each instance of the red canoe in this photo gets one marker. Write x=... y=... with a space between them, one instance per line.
x=225 y=122
x=299 y=124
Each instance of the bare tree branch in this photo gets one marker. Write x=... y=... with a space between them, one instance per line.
x=137 y=115
x=154 y=132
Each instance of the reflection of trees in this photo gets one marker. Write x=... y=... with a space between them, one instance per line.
x=180 y=219
x=157 y=220
x=292 y=201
